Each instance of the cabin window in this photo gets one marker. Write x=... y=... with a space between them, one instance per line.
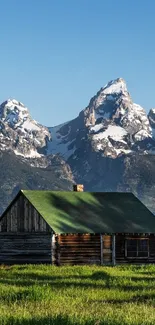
x=137 y=247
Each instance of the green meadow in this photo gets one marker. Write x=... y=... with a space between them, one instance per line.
x=78 y=295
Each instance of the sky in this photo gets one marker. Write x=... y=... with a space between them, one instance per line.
x=56 y=54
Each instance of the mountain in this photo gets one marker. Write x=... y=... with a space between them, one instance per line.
x=16 y=173
x=23 y=163
x=109 y=146
x=111 y=123
x=19 y=132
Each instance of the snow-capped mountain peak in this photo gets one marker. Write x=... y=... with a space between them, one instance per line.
x=111 y=91
x=112 y=125
x=13 y=112
x=13 y=105
x=19 y=132
x=14 y=102
x=115 y=86
x=115 y=113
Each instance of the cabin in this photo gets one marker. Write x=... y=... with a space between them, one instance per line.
x=76 y=227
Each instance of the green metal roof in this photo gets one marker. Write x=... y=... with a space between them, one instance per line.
x=89 y=212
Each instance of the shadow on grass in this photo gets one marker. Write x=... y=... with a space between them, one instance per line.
x=138 y=299
x=81 y=281
x=62 y=283
x=57 y=320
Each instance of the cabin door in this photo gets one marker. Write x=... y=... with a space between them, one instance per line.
x=106 y=249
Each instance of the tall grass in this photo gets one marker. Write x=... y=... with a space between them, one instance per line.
x=121 y=295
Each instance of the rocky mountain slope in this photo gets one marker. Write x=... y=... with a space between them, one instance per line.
x=15 y=174
x=110 y=146
x=111 y=123
x=22 y=160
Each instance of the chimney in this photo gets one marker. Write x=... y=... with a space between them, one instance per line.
x=78 y=188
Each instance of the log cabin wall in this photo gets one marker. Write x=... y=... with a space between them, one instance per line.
x=78 y=249
x=23 y=217
x=26 y=248
x=25 y=237
x=120 y=249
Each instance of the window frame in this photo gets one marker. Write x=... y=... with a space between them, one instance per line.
x=137 y=250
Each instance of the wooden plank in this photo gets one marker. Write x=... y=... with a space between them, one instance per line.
x=41 y=224
x=20 y=209
x=113 y=250
x=26 y=247
x=38 y=220
x=79 y=249
x=26 y=214
x=15 y=217
x=9 y=220
x=30 y=217
x=19 y=214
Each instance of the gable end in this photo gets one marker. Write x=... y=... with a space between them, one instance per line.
x=22 y=216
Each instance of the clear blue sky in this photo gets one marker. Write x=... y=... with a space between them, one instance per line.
x=56 y=54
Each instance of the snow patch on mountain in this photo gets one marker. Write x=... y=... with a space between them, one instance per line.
x=142 y=135
x=29 y=125
x=60 y=144
x=115 y=132
x=32 y=154
x=122 y=151
x=151 y=118
x=96 y=128
x=115 y=87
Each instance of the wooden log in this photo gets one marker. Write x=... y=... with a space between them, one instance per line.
x=25 y=247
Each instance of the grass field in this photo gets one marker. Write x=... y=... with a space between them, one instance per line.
x=93 y=295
